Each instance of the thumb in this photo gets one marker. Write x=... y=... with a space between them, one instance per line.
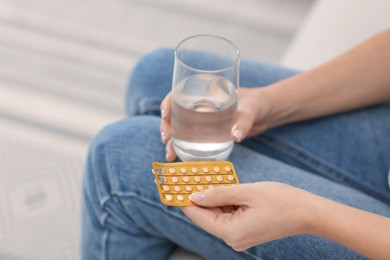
x=220 y=196
x=242 y=126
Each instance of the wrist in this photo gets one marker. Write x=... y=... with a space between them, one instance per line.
x=281 y=109
x=316 y=215
x=308 y=213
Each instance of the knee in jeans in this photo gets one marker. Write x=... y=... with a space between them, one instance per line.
x=156 y=61
x=150 y=81
x=127 y=136
x=158 y=55
x=121 y=154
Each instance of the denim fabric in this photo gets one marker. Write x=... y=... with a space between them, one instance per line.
x=345 y=158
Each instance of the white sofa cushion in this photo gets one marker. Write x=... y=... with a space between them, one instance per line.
x=334 y=26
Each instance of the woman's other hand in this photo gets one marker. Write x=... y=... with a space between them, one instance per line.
x=249 y=214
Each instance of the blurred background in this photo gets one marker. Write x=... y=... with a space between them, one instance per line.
x=63 y=70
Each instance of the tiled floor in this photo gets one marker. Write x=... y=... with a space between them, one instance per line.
x=63 y=71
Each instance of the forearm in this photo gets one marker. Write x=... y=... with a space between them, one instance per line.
x=361 y=231
x=358 y=78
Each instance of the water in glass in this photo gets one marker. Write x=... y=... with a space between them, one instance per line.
x=203 y=113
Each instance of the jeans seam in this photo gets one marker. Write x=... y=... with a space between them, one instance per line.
x=102 y=220
x=161 y=207
x=144 y=107
x=314 y=163
x=105 y=239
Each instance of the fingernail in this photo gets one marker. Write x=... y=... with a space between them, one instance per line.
x=238 y=134
x=197 y=196
x=163 y=113
x=163 y=137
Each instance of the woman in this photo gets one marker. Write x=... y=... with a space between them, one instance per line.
x=313 y=158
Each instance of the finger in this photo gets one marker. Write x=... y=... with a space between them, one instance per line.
x=223 y=196
x=206 y=218
x=170 y=154
x=165 y=107
x=165 y=126
x=228 y=209
x=245 y=115
x=242 y=126
x=165 y=131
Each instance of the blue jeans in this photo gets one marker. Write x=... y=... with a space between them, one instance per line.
x=344 y=157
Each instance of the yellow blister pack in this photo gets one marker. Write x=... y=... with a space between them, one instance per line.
x=177 y=181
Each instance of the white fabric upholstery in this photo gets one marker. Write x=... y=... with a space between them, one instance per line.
x=334 y=26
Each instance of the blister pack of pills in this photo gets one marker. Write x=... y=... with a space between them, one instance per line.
x=177 y=181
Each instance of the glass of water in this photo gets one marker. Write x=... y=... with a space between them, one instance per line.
x=204 y=101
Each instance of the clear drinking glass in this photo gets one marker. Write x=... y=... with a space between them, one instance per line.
x=204 y=103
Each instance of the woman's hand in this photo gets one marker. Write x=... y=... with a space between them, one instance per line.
x=322 y=91
x=249 y=214
x=253 y=118
x=246 y=215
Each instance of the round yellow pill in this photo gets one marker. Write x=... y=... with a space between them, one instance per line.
x=180 y=197
x=230 y=177
x=219 y=178
x=217 y=169
x=183 y=170
x=188 y=188
x=208 y=178
x=165 y=188
x=186 y=179
x=177 y=188
x=227 y=169
x=175 y=179
x=168 y=197
x=205 y=169
x=197 y=179
x=171 y=170
x=194 y=169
